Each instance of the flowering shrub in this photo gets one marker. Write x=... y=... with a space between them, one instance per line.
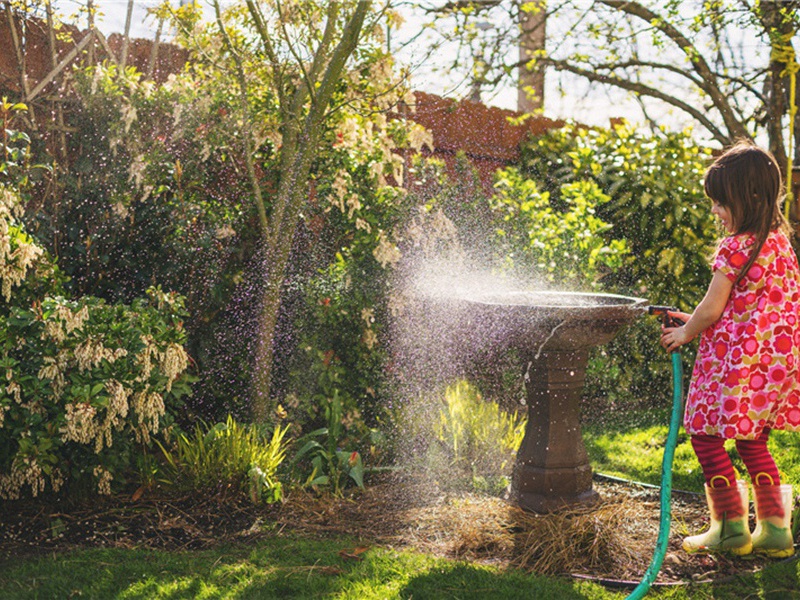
x=152 y=192
x=83 y=381
x=344 y=316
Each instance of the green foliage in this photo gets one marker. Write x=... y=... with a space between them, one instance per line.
x=226 y=456
x=522 y=231
x=565 y=245
x=462 y=197
x=158 y=192
x=343 y=352
x=474 y=440
x=520 y=228
x=331 y=466
x=15 y=153
x=13 y=145
x=656 y=202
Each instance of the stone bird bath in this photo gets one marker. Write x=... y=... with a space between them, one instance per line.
x=553 y=333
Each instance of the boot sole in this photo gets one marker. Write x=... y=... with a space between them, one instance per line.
x=737 y=551
x=772 y=553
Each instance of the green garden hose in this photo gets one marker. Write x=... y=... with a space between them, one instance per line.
x=666 y=481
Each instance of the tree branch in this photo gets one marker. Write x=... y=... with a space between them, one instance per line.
x=642 y=89
x=269 y=49
x=246 y=119
x=333 y=71
x=709 y=86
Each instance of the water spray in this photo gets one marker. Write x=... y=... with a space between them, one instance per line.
x=669 y=453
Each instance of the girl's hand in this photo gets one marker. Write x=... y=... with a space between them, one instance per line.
x=704 y=316
x=673 y=338
x=679 y=315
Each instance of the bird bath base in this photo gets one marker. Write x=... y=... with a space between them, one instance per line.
x=552 y=469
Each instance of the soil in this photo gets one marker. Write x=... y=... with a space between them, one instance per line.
x=611 y=542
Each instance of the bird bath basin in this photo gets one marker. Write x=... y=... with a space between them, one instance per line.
x=553 y=332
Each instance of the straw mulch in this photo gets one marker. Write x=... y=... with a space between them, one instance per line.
x=611 y=542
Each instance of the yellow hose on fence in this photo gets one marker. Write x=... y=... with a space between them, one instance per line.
x=785 y=53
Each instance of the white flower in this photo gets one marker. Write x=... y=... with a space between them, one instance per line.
x=368 y=315
x=386 y=253
x=419 y=137
x=128 y=116
x=136 y=171
x=119 y=209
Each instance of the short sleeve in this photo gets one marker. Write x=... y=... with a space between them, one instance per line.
x=732 y=254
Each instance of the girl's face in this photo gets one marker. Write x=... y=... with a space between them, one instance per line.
x=723 y=213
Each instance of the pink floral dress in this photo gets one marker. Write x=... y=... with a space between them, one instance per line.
x=747 y=373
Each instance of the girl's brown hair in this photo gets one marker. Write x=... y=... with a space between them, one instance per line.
x=746 y=180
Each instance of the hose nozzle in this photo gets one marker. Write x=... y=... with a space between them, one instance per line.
x=663 y=312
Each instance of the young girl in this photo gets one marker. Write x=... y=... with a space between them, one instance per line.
x=746 y=378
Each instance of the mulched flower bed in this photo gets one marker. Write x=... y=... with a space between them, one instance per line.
x=610 y=542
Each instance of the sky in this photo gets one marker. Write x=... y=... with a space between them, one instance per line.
x=588 y=106
x=578 y=100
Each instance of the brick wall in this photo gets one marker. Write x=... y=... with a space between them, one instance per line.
x=482 y=132
x=39 y=63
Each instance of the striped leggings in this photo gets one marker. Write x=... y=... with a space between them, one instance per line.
x=717 y=465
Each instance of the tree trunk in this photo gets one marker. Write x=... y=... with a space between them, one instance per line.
x=289 y=201
x=780 y=31
x=533 y=37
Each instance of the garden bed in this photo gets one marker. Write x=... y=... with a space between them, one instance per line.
x=611 y=542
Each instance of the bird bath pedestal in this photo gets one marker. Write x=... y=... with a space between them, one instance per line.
x=553 y=332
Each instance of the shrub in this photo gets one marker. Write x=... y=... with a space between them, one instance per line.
x=228 y=456
x=564 y=245
x=342 y=318
x=474 y=439
x=85 y=382
x=152 y=193
x=657 y=206
x=656 y=202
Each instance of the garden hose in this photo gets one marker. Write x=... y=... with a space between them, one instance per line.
x=666 y=480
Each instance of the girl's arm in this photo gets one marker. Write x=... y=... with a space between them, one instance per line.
x=706 y=314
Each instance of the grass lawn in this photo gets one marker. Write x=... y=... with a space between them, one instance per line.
x=293 y=567
x=635 y=452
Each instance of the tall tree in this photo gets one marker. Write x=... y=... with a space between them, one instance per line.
x=725 y=64
x=304 y=51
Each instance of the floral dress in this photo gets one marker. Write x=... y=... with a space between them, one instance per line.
x=747 y=373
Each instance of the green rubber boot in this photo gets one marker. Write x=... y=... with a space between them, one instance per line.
x=773 y=534
x=728 y=531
